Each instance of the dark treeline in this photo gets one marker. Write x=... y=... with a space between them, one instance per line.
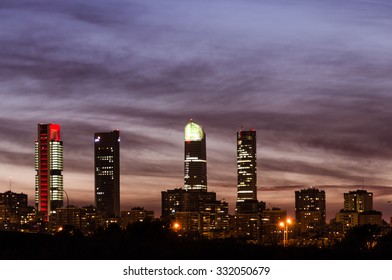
x=150 y=240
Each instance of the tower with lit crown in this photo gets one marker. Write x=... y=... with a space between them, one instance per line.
x=195 y=158
x=194 y=208
x=246 y=173
x=49 y=167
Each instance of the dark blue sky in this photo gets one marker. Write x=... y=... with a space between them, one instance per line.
x=312 y=77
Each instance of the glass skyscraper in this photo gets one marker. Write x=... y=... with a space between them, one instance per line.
x=195 y=158
x=107 y=172
x=49 y=167
x=246 y=173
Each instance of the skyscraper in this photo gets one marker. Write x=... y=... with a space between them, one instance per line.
x=246 y=173
x=49 y=167
x=193 y=208
x=195 y=158
x=107 y=172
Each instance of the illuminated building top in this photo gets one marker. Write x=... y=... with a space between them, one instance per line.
x=54 y=132
x=195 y=158
x=193 y=132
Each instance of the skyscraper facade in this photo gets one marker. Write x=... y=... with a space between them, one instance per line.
x=358 y=210
x=107 y=172
x=359 y=201
x=195 y=158
x=15 y=206
x=246 y=173
x=180 y=200
x=310 y=210
x=49 y=167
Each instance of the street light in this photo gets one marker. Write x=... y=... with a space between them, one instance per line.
x=176 y=226
x=285 y=226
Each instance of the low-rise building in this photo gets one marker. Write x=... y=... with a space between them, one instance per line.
x=137 y=214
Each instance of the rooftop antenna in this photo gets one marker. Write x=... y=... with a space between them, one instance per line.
x=10 y=183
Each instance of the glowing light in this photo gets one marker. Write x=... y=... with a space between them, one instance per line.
x=176 y=226
x=193 y=132
x=54 y=132
x=285 y=227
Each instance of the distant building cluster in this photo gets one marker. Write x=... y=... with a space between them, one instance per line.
x=190 y=210
x=50 y=214
x=14 y=210
x=358 y=210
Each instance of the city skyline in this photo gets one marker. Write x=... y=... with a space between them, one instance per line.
x=311 y=79
x=252 y=133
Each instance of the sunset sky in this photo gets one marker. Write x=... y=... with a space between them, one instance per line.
x=313 y=77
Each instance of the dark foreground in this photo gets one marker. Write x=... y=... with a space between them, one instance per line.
x=151 y=241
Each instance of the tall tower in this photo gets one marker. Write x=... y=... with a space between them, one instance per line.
x=246 y=173
x=195 y=158
x=49 y=167
x=107 y=172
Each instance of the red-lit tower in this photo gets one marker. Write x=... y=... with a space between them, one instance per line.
x=49 y=167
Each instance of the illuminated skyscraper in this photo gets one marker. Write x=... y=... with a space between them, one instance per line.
x=49 y=167
x=246 y=173
x=107 y=172
x=195 y=158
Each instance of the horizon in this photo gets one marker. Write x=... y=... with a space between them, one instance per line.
x=281 y=200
